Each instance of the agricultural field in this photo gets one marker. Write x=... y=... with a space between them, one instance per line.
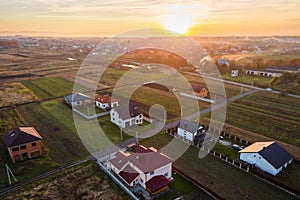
x=13 y=93
x=267 y=114
x=248 y=79
x=64 y=145
x=86 y=181
x=224 y=179
x=49 y=87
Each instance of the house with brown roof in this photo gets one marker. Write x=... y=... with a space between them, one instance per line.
x=106 y=102
x=199 y=91
x=267 y=156
x=23 y=143
x=146 y=167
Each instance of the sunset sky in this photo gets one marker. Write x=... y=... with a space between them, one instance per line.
x=110 y=17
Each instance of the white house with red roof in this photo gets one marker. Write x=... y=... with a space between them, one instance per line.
x=106 y=102
x=267 y=156
x=146 y=167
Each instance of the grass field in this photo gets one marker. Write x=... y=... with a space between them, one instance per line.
x=49 y=87
x=268 y=114
x=64 y=145
x=86 y=181
x=220 y=177
x=182 y=187
x=247 y=79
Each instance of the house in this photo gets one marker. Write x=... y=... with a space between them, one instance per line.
x=223 y=61
x=146 y=167
x=106 y=102
x=191 y=131
x=23 y=143
x=199 y=91
x=267 y=156
x=125 y=116
x=77 y=99
x=234 y=73
x=271 y=71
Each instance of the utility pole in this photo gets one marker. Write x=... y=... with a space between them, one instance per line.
x=9 y=173
x=121 y=134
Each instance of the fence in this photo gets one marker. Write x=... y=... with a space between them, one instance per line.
x=90 y=116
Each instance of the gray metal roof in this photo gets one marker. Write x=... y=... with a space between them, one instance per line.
x=126 y=112
x=275 y=155
x=189 y=126
x=76 y=97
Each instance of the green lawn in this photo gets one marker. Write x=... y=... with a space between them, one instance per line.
x=268 y=114
x=49 y=87
x=220 y=177
x=182 y=187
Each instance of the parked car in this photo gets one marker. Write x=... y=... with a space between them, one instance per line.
x=236 y=147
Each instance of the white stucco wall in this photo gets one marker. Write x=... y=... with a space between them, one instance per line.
x=185 y=134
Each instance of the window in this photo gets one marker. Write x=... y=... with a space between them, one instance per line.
x=142 y=181
x=23 y=146
x=33 y=144
x=15 y=149
x=254 y=156
x=166 y=174
x=152 y=173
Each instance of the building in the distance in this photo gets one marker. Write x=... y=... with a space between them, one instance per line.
x=267 y=156
x=23 y=143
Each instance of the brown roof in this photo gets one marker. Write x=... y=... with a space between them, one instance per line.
x=21 y=135
x=128 y=174
x=157 y=182
x=147 y=161
x=120 y=160
x=105 y=99
x=256 y=147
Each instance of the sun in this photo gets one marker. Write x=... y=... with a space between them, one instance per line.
x=179 y=23
x=182 y=17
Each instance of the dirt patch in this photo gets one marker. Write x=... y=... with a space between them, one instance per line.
x=84 y=182
x=13 y=93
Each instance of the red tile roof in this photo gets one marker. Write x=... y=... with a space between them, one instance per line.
x=105 y=99
x=157 y=182
x=128 y=174
x=21 y=135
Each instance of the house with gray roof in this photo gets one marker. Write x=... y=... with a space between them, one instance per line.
x=191 y=131
x=267 y=156
x=126 y=115
x=77 y=99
